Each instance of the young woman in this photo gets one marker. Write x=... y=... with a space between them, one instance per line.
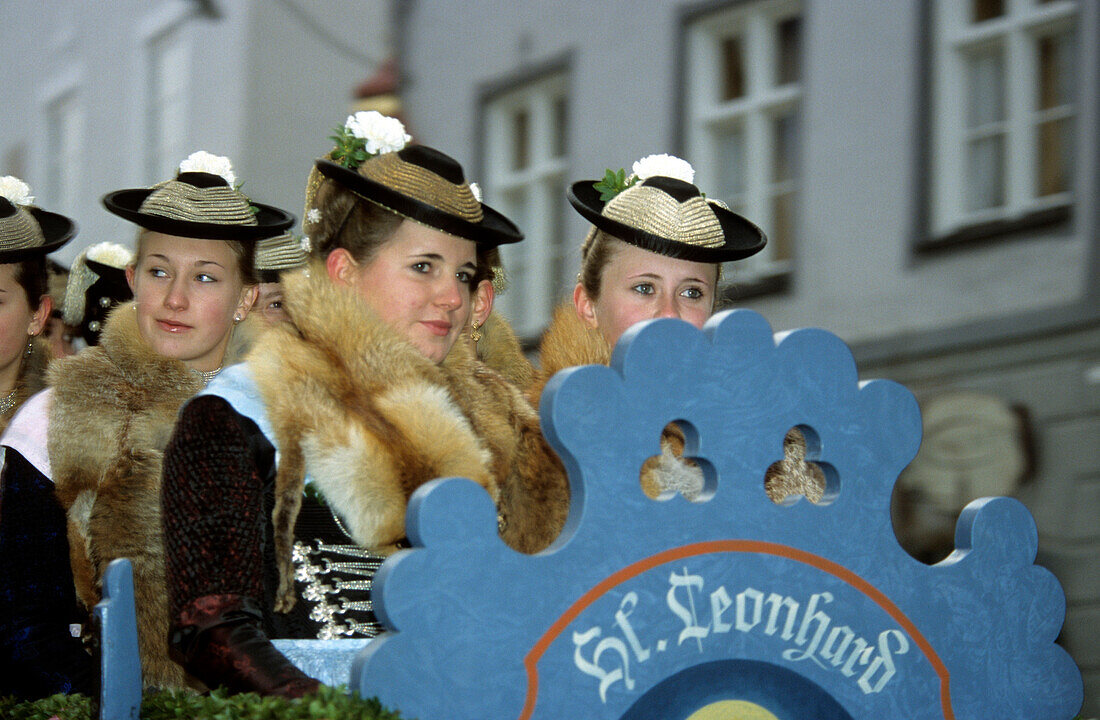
x=111 y=408
x=275 y=256
x=35 y=659
x=298 y=464
x=655 y=250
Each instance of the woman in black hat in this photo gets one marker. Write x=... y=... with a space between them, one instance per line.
x=275 y=256
x=298 y=463
x=655 y=250
x=38 y=655
x=110 y=409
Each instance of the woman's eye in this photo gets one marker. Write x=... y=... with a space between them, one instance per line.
x=692 y=293
x=422 y=267
x=205 y=278
x=643 y=289
x=465 y=277
x=157 y=272
x=275 y=305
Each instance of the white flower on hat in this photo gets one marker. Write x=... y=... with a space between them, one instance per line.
x=664 y=165
x=202 y=161
x=476 y=190
x=380 y=133
x=313 y=216
x=306 y=244
x=15 y=190
x=109 y=253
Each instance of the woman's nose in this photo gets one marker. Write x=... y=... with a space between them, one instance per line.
x=176 y=298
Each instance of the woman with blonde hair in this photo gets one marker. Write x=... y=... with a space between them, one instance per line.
x=298 y=464
x=655 y=250
x=99 y=432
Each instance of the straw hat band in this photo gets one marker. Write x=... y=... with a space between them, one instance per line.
x=284 y=252
x=19 y=231
x=692 y=222
x=417 y=182
x=187 y=203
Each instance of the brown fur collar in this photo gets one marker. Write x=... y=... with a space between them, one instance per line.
x=370 y=419
x=32 y=377
x=500 y=349
x=113 y=411
x=567 y=342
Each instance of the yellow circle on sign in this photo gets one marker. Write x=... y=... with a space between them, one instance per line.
x=732 y=710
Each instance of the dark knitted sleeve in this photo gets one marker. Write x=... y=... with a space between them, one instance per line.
x=212 y=502
x=38 y=654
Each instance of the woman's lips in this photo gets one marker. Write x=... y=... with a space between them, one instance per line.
x=172 y=326
x=437 y=327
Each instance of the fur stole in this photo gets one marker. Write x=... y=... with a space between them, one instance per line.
x=568 y=342
x=113 y=411
x=32 y=377
x=500 y=349
x=369 y=418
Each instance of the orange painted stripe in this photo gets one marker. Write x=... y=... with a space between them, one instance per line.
x=530 y=661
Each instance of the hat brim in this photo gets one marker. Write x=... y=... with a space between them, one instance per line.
x=270 y=221
x=57 y=230
x=494 y=228
x=742 y=238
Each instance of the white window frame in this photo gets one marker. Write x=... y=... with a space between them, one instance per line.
x=64 y=114
x=707 y=114
x=167 y=56
x=541 y=184
x=954 y=37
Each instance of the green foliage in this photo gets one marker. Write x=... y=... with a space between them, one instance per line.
x=328 y=703
x=612 y=184
x=350 y=151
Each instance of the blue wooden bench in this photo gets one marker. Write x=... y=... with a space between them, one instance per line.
x=731 y=606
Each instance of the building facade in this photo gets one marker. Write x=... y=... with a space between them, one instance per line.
x=105 y=95
x=926 y=173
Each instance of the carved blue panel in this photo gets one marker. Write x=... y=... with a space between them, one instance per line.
x=732 y=606
x=120 y=693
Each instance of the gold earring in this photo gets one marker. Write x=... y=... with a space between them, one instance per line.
x=475 y=335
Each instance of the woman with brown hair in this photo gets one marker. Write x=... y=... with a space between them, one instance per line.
x=298 y=464
x=109 y=411
x=655 y=250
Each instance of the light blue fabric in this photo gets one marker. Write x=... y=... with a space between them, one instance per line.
x=236 y=386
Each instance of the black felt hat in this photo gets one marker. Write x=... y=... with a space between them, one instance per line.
x=425 y=185
x=671 y=217
x=96 y=284
x=27 y=231
x=198 y=205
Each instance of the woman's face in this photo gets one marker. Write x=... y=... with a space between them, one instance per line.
x=638 y=285
x=419 y=282
x=17 y=323
x=187 y=292
x=269 y=303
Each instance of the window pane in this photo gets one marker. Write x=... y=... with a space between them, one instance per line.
x=560 y=128
x=1056 y=71
x=986 y=10
x=733 y=68
x=986 y=87
x=781 y=236
x=985 y=173
x=514 y=258
x=785 y=158
x=731 y=164
x=521 y=140
x=1055 y=161
x=789 y=47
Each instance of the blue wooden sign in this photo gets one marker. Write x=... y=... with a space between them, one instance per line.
x=732 y=606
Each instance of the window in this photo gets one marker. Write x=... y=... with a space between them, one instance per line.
x=525 y=167
x=64 y=132
x=166 y=113
x=1003 y=106
x=742 y=124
